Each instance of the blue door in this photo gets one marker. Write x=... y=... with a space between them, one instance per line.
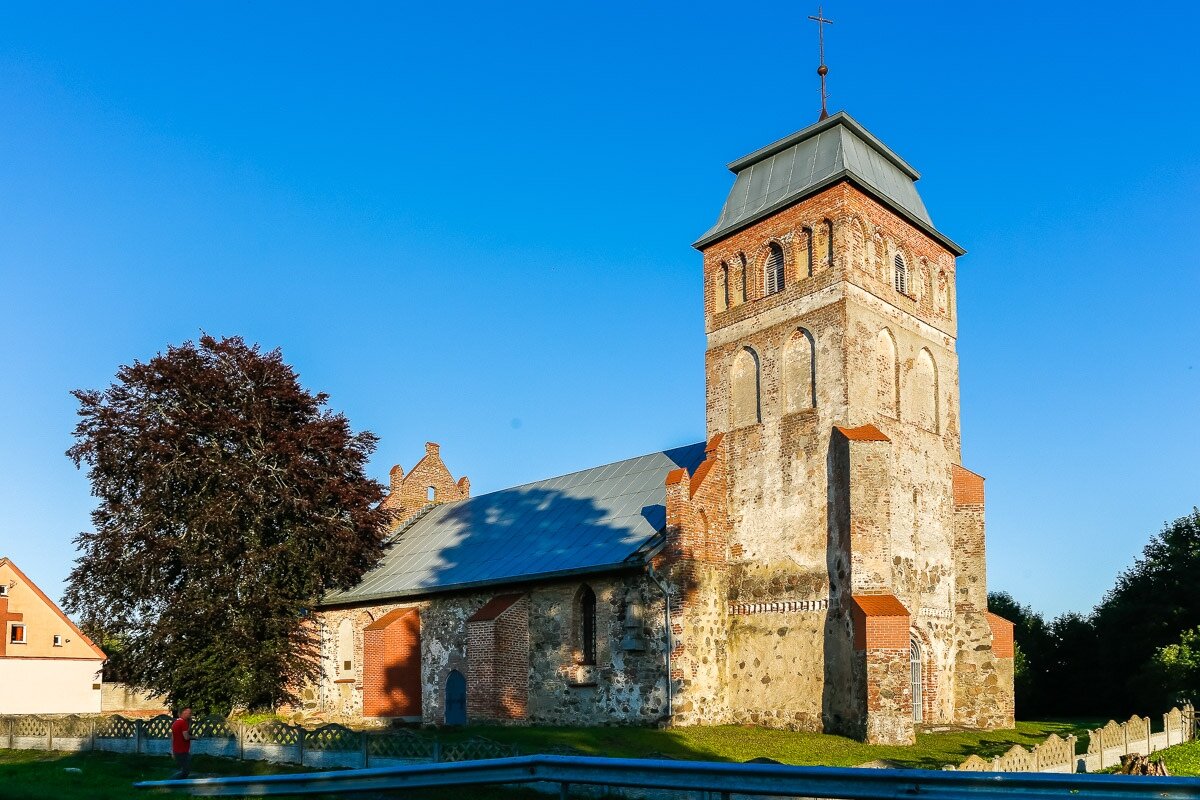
x=456 y=699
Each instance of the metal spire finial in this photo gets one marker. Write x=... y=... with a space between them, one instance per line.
x=822 y=70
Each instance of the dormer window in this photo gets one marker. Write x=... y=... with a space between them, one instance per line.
x=774 y=269
x=901 y=275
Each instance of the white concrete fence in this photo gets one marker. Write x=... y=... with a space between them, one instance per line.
x=1105 y=746
x=327 y=746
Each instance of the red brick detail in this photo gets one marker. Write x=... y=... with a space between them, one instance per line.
x=968 y=487
x=498 y=661
x=698 y=523
x=863 y=433
x=392 y=665
x=714 y=444
x=676 y=475
x=881 y=622
x=410 y=493
x=494 y=607
x=1002 y=635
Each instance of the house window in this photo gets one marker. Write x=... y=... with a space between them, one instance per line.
x=3 y=590
x=587 y=623
x=431 y=494
x=901 y=275
x=18 y=634
x=774 y=269
x=58 y=640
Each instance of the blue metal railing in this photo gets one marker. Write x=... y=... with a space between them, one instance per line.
x=724 y=779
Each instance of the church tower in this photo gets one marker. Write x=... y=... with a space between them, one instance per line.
x=854 y=574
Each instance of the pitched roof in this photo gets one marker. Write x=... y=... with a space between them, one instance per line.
x=798 y=166
x=54 y=607
x=880 y=605
x=495 y=607
x=390 y=618
x=593 y=520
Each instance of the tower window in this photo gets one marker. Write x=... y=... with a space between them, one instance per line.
x=723 y=287
x=431 y=494
x=901 y=275
x=774 y=269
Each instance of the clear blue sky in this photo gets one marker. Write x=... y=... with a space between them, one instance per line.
x=471 y=223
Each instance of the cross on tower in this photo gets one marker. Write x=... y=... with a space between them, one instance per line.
x=5 y=618
x=822 y=70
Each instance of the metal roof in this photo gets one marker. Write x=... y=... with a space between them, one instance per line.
x=589 y=521
x=810 y=160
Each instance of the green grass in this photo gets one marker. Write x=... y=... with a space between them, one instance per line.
x=29 y=774
x=1182 y=759
x=738 y=743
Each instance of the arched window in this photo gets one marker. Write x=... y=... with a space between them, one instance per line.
x=914 y=664
x=923 y=399
x=744 y=383
x=941 y=293
x=587 y=626
x=722 y=288
x=807 y=267
x=901 y=274
x=345 y=646
x=829 y=242
x=743 y=288
x=773 y=270
x=886 y=373
x=800 y=372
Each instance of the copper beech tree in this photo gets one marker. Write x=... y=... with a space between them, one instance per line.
x=230 y=499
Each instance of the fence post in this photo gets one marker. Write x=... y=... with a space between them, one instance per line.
x=437 y=750
x=93 y=734
x=365 y=750
x=300 y=743
x=1072 y=741
x=137 y=736
x=1099 y=740
x=50 y=733
x=1125 y=734
x=241 y=737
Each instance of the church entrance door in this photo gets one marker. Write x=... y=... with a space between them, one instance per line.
x=918 y=699
x=456 y=699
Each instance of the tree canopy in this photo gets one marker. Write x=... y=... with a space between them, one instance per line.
x=230 y=499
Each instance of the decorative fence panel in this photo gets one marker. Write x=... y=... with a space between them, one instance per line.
x=1105 y=747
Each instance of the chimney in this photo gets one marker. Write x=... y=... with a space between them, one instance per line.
x=432 y=448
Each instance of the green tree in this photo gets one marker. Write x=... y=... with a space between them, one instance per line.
x=230 y=498
x=1176 y=667
x=1152 y=603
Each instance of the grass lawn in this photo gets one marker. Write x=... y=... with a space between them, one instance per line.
x=737 y=743
x=29 y=774
x=1182 y=759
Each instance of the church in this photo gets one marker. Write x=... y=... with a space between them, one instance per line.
x=816 y=563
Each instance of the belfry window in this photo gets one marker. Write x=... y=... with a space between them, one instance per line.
x=901 y=275
x=774 y=269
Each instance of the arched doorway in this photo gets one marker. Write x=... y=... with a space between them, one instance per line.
x=918 y=699
x=456 y=699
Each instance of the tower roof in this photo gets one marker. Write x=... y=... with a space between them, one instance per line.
x=798 y=166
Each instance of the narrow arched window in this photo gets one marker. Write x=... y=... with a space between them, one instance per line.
x=917 y=679
x=744 y=389
x=431 y=494
x=774 y=269
x=808 y=253
x=722 y=288
x=587 y=626
x=923 y=388
x=887 y=370
x=829 y=242
x=799 y=372
x=743 y=283
x=901 y=274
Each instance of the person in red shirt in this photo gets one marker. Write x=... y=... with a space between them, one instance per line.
x=181 y=743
